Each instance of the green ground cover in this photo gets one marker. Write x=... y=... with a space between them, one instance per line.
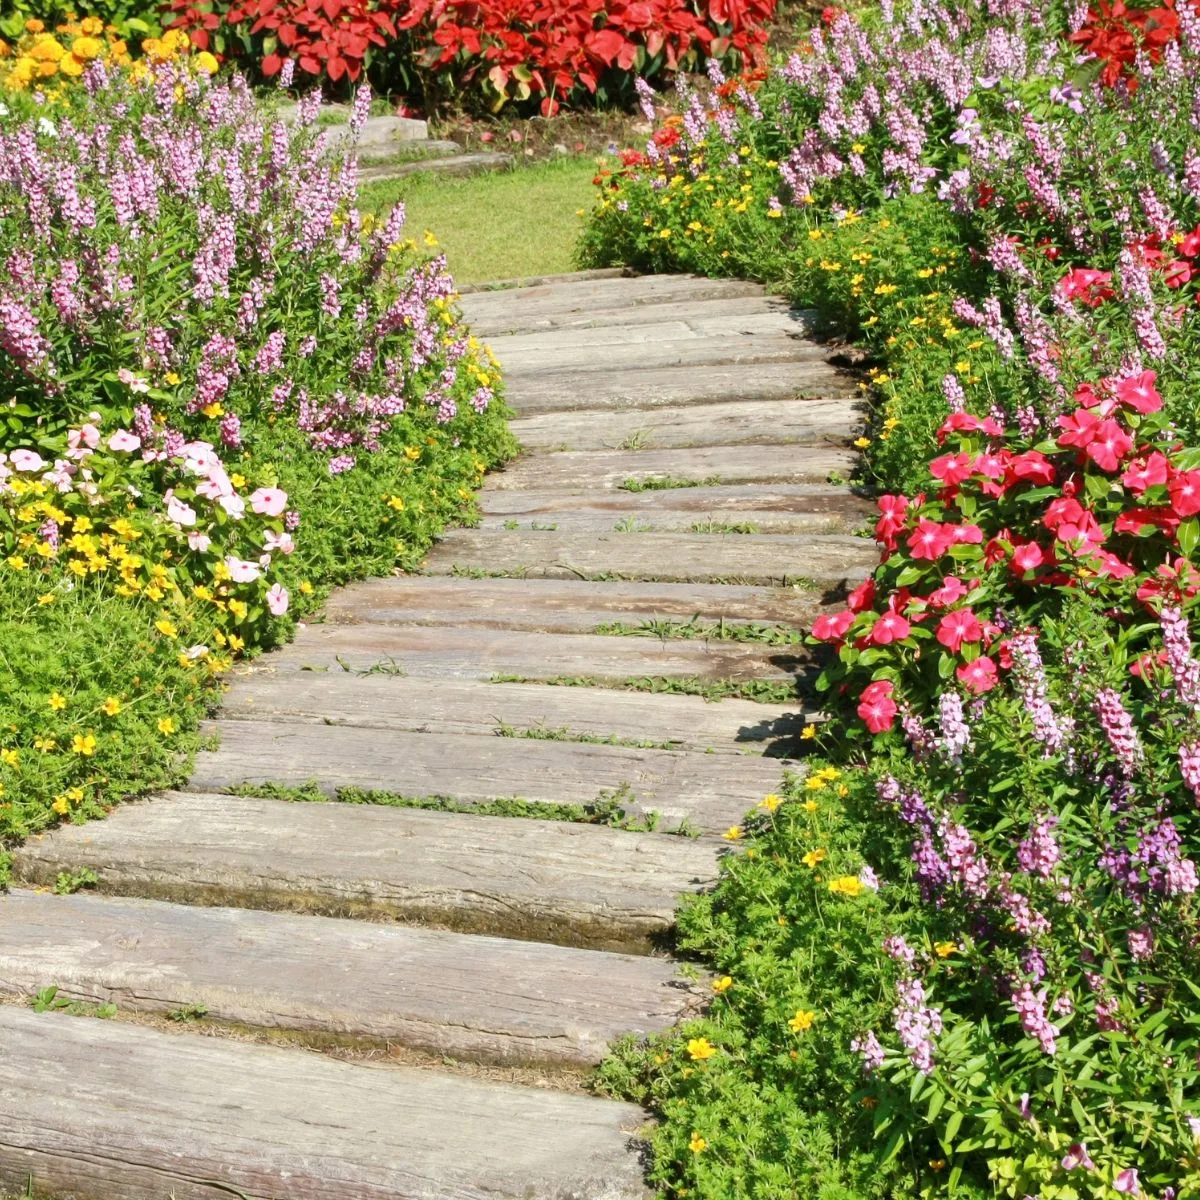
x=516 y=223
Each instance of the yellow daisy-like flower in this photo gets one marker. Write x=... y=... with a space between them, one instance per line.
x=16 y=562
x=808 y=733
x=166 y=726
x=813 y=858
x=697 y=1145
x=944 y=949
x=84 y=743
x=846 y=885
x=770 y=802
x=733 y=833
x=862 y=443
x=10 y=758
x=802 y=1022
x=46 y=598
x=57 y=701
x=111 y=706
x=205 y=62
x=700 y=1048
x=722 y=984
x=166 y=628
x=811 y=806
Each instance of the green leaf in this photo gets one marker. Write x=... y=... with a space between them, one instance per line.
x=1189 y=535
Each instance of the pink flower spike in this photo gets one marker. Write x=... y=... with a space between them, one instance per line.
x=277 y=599
x=270 y=502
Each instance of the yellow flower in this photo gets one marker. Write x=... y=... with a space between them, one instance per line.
x=733 y=833
x=811 y=806
x=87 y=47
x=306 y=587
x=166 y=725
x=944 y=949
x=46 y=598
x=44 y=744
x=166 y=628
x=71 y=66
x=396 y=502
x=10 y=758
x=57 y=701
x=813 y=857
x=770 y=802
x=858 y=147
x=802 y=1022
x=808 y=733
x=697 y=1145
x=206 y=62
x=16 y=562
x=412 y=453
x=885 y=289
x=84 y=744
x=722 y=984
x=61 y=806
x=111 y=706
x=862 y=443
x=700 y=1048
x=239 y=609
x=213 y=410
x=846 y=885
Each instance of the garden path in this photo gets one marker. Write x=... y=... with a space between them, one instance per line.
x=462 y=969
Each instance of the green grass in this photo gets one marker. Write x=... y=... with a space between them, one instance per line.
x=497 y=226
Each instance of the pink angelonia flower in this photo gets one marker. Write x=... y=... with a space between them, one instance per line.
x=27 y=460
x=241 y=571
x=277 y=599
x=269 y=502
x=125 y=441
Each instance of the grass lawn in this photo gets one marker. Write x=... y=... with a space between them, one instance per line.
x=497 y=226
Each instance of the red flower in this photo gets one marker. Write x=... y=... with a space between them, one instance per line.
x=1109 y=446
x=1184 y=489
x=963 y=422
x=862 y=597
x=1146 y=473
x=831 y=627
x=893 y=510
x=952 y=590
x=1177 y=273
x=1085 y=284
x=890 y=627
x=876 y=707
x=1134 y=520
x=958 y=627
x=1111 y=565
x=1140 y=393
x=930 y=540
x=1028 y=557
x=951 y=469
x=978 y=676
x=1079 y=428
x=1031 y=465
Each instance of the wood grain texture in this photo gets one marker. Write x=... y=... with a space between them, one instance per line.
x=827 y=559
x=551 y=881
x=604 y=470
x=468 y=706
x=473 y=653
x=481 y=999
x=710 y=792
x=649 y=387
x=558 y=606
x=732 y=423
x=107 y=1111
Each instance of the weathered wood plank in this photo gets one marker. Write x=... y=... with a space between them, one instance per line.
x=695 y=325
x=550 y=881
x=648 y=387
x=609 y=469
x=109 y=1111
x=494 y=286
x=585 y=361
x=825 y=558
x=560 y=606
x=481 y=999
x=508 y=322
x=582 y=295
x=666 y=519
x=446 y=706
x=474 y=653
x=730 y=423
x=707 y=791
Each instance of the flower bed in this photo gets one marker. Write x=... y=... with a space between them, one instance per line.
x=1012 y=228
x=225 y=392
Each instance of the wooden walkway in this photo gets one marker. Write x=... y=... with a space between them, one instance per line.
x=340 y=1001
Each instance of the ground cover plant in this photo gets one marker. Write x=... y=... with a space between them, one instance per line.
x=964 y=964
x=225 y=389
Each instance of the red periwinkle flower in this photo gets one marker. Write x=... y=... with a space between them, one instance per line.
x=1078 y=428
x=1146 y=473
x=1109 y=446
x=1184 y=489
x=951 y=469
x=862 y=597
x=877 y=708
x=964 y=422
x=958 y=627
x=978 y=676
x=893 y=510
x=1112 y=566
x=965 y=535
x=1031 y=465
x=831 y=627
x=891 y=627
x=1028 y=557
x=1134 y=520
x=930 y=540
x=952 y=590
x=1139 y=392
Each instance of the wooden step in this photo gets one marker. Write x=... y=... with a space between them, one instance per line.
x=609 y=469
x=455 y=164
x=550 y=881
x=697 y=325
x=560 y=606
x=336 y=982
x=497 y=322
x=731 y=423
x=514 y=283
x=708 y=792
x=780 y=559
x=110 y=1111
x=473 y=653
x=633 y=387
x=446 y=706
